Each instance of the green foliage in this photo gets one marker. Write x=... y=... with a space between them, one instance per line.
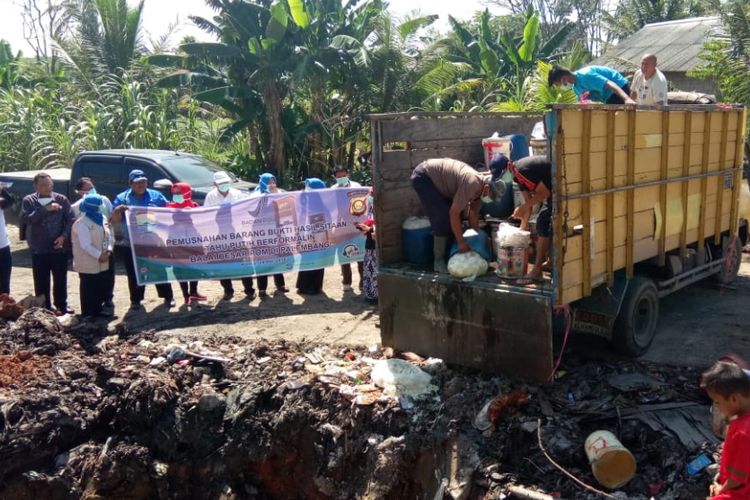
x=632 y=15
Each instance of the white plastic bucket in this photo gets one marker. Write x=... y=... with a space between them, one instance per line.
x=613 y=465
x=493 y=146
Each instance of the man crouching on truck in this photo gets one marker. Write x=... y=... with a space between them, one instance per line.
x=446 y=188
x=534 y=177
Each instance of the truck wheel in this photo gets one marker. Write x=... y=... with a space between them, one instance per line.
x=732 y=261
x=635 y=326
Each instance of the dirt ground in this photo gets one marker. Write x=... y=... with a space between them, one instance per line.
x=333 y=317
x=697 y=325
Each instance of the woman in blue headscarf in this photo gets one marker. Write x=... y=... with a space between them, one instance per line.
x=267 y=185
x=311 y=282
x=92 y=246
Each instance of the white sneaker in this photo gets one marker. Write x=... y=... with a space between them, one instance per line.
x=348 y=288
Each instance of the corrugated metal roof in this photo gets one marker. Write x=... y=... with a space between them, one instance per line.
x=676 y=44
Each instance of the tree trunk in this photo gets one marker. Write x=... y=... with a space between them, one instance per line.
x=276 y=152
x=350 y=156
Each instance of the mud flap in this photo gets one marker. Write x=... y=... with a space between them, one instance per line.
x=476 y=325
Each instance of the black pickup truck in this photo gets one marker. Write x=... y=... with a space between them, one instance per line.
x=109 y=170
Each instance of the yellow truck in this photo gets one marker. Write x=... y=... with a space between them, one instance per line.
x=645 y=202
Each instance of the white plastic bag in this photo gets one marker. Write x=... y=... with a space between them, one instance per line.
x=397 y=377
x=509 y=235
x=464 y=265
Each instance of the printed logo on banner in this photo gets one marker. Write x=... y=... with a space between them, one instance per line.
x=352 y=251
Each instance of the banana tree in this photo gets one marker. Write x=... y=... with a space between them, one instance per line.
x=490 y=68
x=246 y=72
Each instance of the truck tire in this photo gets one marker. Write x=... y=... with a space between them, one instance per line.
x=635 y=326
x=732 y=261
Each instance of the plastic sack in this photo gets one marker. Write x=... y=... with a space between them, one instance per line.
x=509 y=235
x=464 y=265
x=416 y=223
x=397 y=377
x=477 y=241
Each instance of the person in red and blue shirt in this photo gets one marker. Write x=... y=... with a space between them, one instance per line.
x=729 y=388
x=597 y=83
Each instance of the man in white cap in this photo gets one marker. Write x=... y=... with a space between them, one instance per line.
x=224 y=193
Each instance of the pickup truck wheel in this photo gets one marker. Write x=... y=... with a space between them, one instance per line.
x=732 y=261
x=635 y=327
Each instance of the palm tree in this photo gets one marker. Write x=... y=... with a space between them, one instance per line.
x=106 y=38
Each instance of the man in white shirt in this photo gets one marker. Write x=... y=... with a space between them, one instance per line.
x=224 y=193
x=341 y=174
x=649 y=85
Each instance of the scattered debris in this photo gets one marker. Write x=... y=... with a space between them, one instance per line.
x=89 y=413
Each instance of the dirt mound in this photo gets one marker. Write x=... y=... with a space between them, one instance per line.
x=36 y=330
x=134 y=415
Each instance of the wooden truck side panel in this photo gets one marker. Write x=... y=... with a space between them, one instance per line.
x=677 y=185
x=485 y=325
x=423 y=136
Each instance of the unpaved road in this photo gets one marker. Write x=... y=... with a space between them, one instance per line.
x=697 y=325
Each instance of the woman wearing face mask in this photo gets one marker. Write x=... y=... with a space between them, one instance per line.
x=311 y=282
x=341 y=174
x=92 y=247
x=267 y=185
x=370 y=266
x=182 y=198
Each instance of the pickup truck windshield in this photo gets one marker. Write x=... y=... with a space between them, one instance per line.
x=196 y=171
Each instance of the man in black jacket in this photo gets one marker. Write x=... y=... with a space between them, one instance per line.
x=48 y=220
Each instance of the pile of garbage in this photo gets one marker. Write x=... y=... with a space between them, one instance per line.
x=89 y=413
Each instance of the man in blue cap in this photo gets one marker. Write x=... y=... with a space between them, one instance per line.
x=137 y=196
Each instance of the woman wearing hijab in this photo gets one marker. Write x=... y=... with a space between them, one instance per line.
x=311 y=282
x=267 y=185
x=92 y=247
x=370 y=267
x=182 y=198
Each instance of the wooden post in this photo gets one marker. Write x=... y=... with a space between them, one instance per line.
x=630 y=215
x=610 y=197
x=720 y=178
x=663 y=189
x=685 y=184
x=704 y=184
x=739 y=154
x=560 y=190
x=586 y=201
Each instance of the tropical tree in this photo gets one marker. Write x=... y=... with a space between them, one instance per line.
x=477 y=70
x=632 y=15
x=107 y=36
x=8 y=65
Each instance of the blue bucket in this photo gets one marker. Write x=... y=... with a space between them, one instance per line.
x=417 y=245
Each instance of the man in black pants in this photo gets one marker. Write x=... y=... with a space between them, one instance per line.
x=48 y=220
x=447 y=189
x=137 y=196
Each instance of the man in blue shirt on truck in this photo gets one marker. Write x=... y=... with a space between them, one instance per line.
x=597 y=83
